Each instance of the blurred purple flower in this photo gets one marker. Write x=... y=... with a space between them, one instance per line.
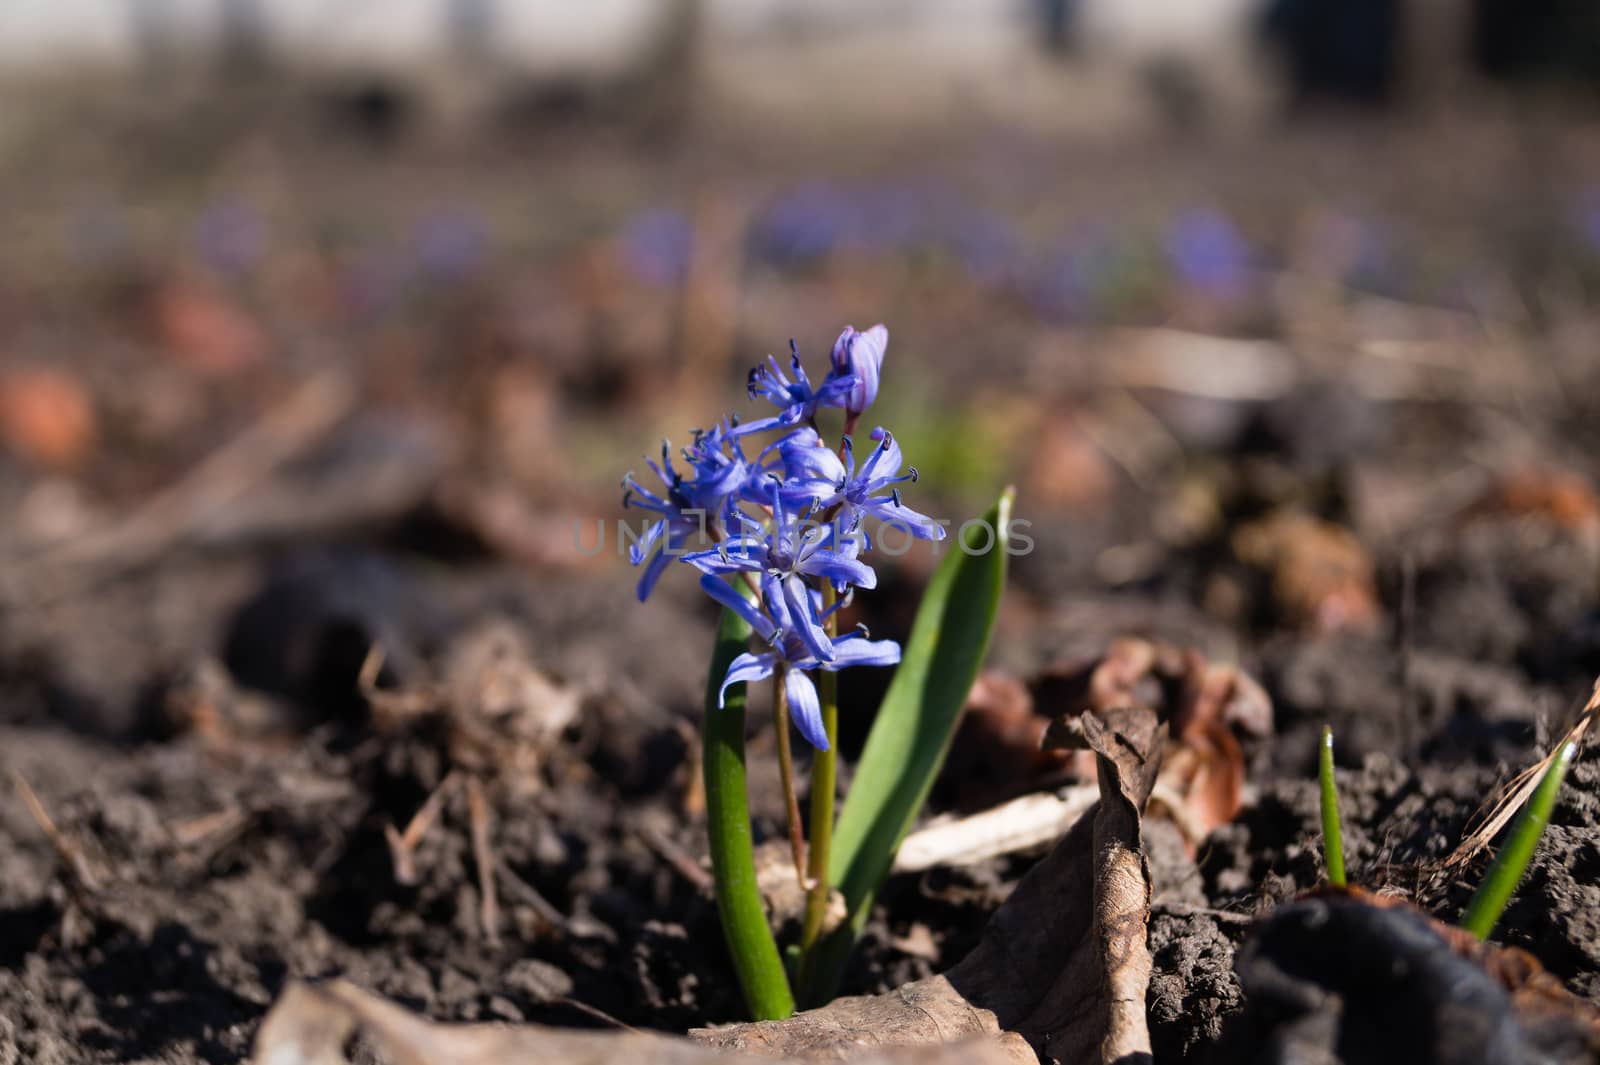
x=807 y=222
x=656 y=245
x=450 y=245
x=889 y=217
x=230 y=237
x=1071 y=279
x=1208 y=254
x=986 y=243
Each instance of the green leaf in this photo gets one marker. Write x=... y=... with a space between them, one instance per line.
x=1332 y=832
x=914 y=726
x=1507 y=870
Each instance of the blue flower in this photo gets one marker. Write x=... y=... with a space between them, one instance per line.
x=722 y=476
x=1207 y=253
x=818 y=476
x=779 y=631
x=679 y=520
x=789 y=522
x=859 y=356
x=657 y=246
x=797 y=401
x=782 y=553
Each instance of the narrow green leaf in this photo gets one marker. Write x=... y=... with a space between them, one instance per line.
x=914 y=726
x=1506 y=872
x=1332 y=832
x=733 y=867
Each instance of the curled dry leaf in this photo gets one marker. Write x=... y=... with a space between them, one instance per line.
x=996 y=752
x=312 y=1023
x=1321 y=577
x=1207 y=703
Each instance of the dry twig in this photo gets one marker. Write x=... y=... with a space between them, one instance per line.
x=1515 y=795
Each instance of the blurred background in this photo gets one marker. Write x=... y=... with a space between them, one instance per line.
x=430 y=274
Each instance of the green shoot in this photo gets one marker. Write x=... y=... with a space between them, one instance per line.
x=1332 y=833
x=1507 y=870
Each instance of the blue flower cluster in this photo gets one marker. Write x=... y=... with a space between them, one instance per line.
x=789 y=522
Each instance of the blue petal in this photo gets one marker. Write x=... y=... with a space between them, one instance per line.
x=804 y=457
x=639 y=549
x=840 y=569
x=744 y=669
x=856 y=650
x=804 y=616
x=885 y=460
x=835 y=391
x=804 y=710
x=904 y=518
x=761 y=425
x=728 y=596
x=652 y=573
x=772 y=598
x=737 y=559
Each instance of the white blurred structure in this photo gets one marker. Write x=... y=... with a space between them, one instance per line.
x=792 y=60
x=384 y=35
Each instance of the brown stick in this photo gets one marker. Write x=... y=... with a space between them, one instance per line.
x=403 y=845
x=68 y=851
x=483 y=855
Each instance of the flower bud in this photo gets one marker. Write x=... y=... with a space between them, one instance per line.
x=860 y=354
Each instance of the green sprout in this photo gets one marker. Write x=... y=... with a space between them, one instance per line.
x=1507 y=870
x=1332 y=833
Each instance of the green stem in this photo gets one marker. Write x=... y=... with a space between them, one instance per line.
x=1332 y=833
x=1484 y=911
x=824 y=769
x=744 y=920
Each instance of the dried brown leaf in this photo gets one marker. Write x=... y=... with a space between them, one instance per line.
x=1321 y=576
x=312 y=1023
